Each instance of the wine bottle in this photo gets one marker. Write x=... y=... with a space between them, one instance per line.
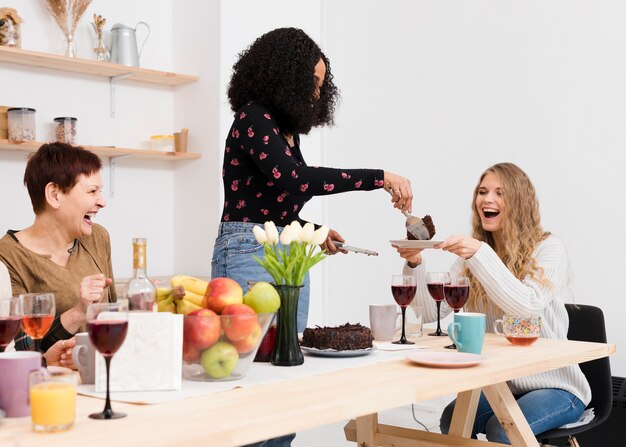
x=139 y=290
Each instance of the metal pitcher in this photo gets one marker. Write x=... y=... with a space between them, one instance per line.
x=124 y=44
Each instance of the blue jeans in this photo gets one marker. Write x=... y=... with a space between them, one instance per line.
x=544 y=410
x=232 y=257
x=283 y=441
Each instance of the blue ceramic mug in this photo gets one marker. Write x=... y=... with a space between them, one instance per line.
x=468 y=332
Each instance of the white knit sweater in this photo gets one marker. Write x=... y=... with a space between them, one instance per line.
x=519 y=297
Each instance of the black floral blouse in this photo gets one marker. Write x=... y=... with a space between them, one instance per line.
x=266 y=179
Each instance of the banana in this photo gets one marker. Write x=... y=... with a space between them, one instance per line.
x=167 y=305
x=190 y=283
x=193 y=297
x=185 y=307
x=163 y=293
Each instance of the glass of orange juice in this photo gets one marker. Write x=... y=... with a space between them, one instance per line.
x=52 y=400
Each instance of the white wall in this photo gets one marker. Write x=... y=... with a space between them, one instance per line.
x=440 y=90
x=434 y=90
x=142 y=205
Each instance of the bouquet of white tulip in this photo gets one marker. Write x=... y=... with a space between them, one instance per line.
x=289 y=265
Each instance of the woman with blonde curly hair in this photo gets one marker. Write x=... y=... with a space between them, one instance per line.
x=515 y=267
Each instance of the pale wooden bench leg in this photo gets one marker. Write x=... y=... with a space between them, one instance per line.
x=366 y=428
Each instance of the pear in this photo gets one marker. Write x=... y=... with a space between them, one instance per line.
x=262 y=297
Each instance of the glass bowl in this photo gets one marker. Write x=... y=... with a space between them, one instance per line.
x=221 y=347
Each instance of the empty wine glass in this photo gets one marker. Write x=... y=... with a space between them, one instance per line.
x=107 y=325
x=39 y=310
x=435 y=282
x=456 y=294
x=403 y=288
x=10 y=319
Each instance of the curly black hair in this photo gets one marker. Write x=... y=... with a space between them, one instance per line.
x=277 y=72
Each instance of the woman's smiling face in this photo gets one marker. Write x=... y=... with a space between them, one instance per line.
x=490 y=203
x=83 y=202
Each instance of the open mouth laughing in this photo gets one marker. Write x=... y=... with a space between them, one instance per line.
x=490 y=213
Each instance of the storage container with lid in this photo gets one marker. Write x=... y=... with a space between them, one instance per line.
x=65 y=129
x=21 y=124
x=162 y=143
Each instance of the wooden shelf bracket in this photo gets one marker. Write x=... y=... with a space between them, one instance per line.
x=112 y=84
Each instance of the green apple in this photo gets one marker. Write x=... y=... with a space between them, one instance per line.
x=263 y=298
x=220 y=360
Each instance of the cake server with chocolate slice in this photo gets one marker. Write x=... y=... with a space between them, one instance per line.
x=416 y=228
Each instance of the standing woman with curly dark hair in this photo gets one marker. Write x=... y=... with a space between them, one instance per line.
x=281 y=87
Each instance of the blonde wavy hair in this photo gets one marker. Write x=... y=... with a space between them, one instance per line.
x=521 y=230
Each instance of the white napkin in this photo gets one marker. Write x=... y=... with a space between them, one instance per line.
x=584 y=419
x=150 y=358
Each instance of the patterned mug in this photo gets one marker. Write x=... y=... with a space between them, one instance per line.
x=519 y=330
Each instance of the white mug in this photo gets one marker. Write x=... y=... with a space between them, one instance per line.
x=84 y=356
x=383 y=321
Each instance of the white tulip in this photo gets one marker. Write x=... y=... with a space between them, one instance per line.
x=271 y=232
x=295 y=225
x=259 y=234
x=307 y=233
x=288 y=235
x=319 y=236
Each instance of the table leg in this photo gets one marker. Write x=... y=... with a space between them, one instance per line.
x=510 y=415
x=464 y=413
x=366 y=428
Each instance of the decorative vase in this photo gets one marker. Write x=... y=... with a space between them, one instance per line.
x=287 y=349
x=70 y=49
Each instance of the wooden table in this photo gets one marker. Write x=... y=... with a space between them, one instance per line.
x=244 y=415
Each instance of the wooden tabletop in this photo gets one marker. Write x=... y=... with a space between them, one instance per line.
x=244 y=415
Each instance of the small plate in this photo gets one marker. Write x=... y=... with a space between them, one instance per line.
x=335 y=353
x=445 y=359
x=405 y=243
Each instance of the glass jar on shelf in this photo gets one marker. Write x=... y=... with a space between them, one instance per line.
x=21 y=121
x=10 y=31
x=65 y=129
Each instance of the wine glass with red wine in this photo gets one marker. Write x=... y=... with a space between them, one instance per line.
x=456 y=294
x=10 y=320
x=435 y=282
x=107 y=325
x=403 y=288
x=39 y=311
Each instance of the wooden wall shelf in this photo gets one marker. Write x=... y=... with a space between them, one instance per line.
x=91 y=67
x=107 y=151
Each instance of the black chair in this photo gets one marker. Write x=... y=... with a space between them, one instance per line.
x=586 y=323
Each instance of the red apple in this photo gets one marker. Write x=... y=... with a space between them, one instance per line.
x=220 y=293
x=191 y=353
x=249 y=343
x=201 y=329
x=239 y=321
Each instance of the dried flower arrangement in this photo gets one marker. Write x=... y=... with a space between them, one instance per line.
x=67 y=14
x=102 y=53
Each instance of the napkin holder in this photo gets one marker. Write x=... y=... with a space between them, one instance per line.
x=150 y=358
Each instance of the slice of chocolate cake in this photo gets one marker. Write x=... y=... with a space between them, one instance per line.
x=348 y=337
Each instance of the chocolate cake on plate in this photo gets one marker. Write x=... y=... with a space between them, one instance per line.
x=348 y=337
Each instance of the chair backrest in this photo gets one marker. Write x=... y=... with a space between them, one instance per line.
x=586 y=323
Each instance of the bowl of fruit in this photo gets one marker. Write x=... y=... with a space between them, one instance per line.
x=222 y=335
x=222 y=347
